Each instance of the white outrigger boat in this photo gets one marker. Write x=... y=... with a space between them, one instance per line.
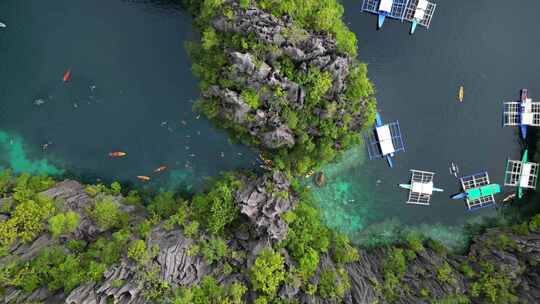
x=418 y=12
x=421 y=187
x=3 y=25
x=384 y=140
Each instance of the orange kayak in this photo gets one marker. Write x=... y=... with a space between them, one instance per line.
x=67 y=75
x=143 y=178
x=160 y=169
x=117 y=154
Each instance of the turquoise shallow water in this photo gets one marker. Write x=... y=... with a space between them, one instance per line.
x=486 y=46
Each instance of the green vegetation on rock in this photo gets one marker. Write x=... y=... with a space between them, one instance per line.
x=107 y=214
x=63 y=223
x=268 y=272
x=318 y=139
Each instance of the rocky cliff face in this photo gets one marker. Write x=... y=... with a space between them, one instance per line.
x=264 y=200
x=72 y=197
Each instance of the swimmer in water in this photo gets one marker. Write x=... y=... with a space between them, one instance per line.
x=46 y=145
x=39 y=101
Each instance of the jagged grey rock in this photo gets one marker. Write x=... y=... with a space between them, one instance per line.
x=277 y=138
x=264 y=200
x=232 y=104
x=176 y=266
x=305 y=49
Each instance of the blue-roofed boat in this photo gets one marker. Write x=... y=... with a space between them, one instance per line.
x=384 y=140
x=523 y=113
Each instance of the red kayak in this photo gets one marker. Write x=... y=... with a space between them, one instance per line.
x=67 y=75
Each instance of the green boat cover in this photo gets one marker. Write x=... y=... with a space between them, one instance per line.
x=486 y=190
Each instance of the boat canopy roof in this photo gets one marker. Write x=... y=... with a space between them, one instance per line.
x=420 y=9
x=423 y=188
x=487 y=190
x=386 y=6
x=525 y=175
x=527 y=118
x=385 y=139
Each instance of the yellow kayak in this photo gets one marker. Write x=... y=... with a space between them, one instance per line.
x=460 y=94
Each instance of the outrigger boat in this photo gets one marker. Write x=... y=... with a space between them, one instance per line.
x=477 y=191
x=461 y=93
x=385 y=8
x=143 y=178
x=421 y=187
x=3 y=25
x=454 y=169
x=523 y=113
x=384 y=140
x=521 y=174
x=117 y=154
x=418 y=12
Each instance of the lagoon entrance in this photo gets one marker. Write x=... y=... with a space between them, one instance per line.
x=131 y=89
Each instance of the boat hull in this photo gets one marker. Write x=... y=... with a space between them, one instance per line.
x=524 y=159
x=405 y=186
x=523 y=131
x=389 y=161
x=380 y=21
x=459 y=196
x=413 y=27
x=378 y=120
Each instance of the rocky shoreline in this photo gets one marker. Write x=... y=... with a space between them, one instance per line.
x=422 y=280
